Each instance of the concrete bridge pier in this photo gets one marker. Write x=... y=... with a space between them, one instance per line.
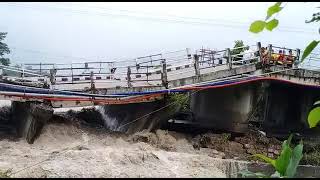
x=225 y=108
x=131 y=118
x=29 y=118
x=287 y=107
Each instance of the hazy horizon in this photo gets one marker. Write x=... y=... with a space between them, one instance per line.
x=105 y=31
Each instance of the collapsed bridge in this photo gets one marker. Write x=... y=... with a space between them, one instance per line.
x=222 y=85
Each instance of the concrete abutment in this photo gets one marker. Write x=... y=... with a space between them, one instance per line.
x=29 y=118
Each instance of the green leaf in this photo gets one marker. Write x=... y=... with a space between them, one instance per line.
x=283 y=160
x=315 y=18
x=272 y=24
x=266 y=159
x=276 y=175
x=257 y=26
x=273 y=9
x=288 y=141
x=309 y=49
x=294 y=161
x=314 y=117
x=248 y=174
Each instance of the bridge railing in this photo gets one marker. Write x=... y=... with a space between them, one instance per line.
x=312 y=62
x=153 y=69
x=22 y=76
x=63 y=73
x=212 y=58
x=227 y=58
x=247 y=55
x=281 y=56
x=146 y=68
x=156 y=68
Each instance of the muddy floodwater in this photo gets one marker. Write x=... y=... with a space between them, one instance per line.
x=68 y=147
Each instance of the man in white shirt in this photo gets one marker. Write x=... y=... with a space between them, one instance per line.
x=248 y=56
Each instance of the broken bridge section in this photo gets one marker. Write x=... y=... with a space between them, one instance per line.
x=30 y=117
x=224 y=104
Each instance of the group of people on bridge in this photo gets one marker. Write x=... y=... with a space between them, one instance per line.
x=280 y=58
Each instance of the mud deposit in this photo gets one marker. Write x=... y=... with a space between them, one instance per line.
x=79 y=144
x=65 y=150
x=72 y=146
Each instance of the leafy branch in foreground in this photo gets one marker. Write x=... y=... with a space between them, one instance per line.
x=259 y=25
x=288 y=161
x=285 y=165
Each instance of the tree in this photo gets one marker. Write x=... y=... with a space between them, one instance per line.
x=238 y=47
x=4 y=49
x=260 y=25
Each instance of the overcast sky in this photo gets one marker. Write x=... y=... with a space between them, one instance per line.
x=71 y=32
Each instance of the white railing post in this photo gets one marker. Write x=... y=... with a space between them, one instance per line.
x=22 y=74
x=229 y=60
x=71 y=73
x=297 y=59
x=129 y=77
x=269 y=53
x=53 y=72
x=196 y=65
x=259 y=56
x=164 y=75
x=188 y=54
x=92 y=83
x=1 y=72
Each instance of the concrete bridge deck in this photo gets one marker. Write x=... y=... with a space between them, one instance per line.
x=146 y=79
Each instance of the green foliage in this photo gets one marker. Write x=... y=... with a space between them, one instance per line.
x=287 y=162
x=181 y=100
x=314 y=117
x=276 y=175
x=273 y=9
x=4 y=49
x=249 y=174
x=226 y=137
x=315 y=18
x=257 y=26
x=313 y=157
x=272 y=24
x=266 y=159
x=237 y=47
x=283 y=160
x=294 y=161
x=309 y=49
x=5 y=61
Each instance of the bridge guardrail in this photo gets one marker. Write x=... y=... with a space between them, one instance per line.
x=274 y=55
x=152 y=68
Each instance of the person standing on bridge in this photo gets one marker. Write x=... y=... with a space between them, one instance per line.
x=264 y=55
x=289 y=59
x=248 y=55
x=280 y=59
x=274 y=57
